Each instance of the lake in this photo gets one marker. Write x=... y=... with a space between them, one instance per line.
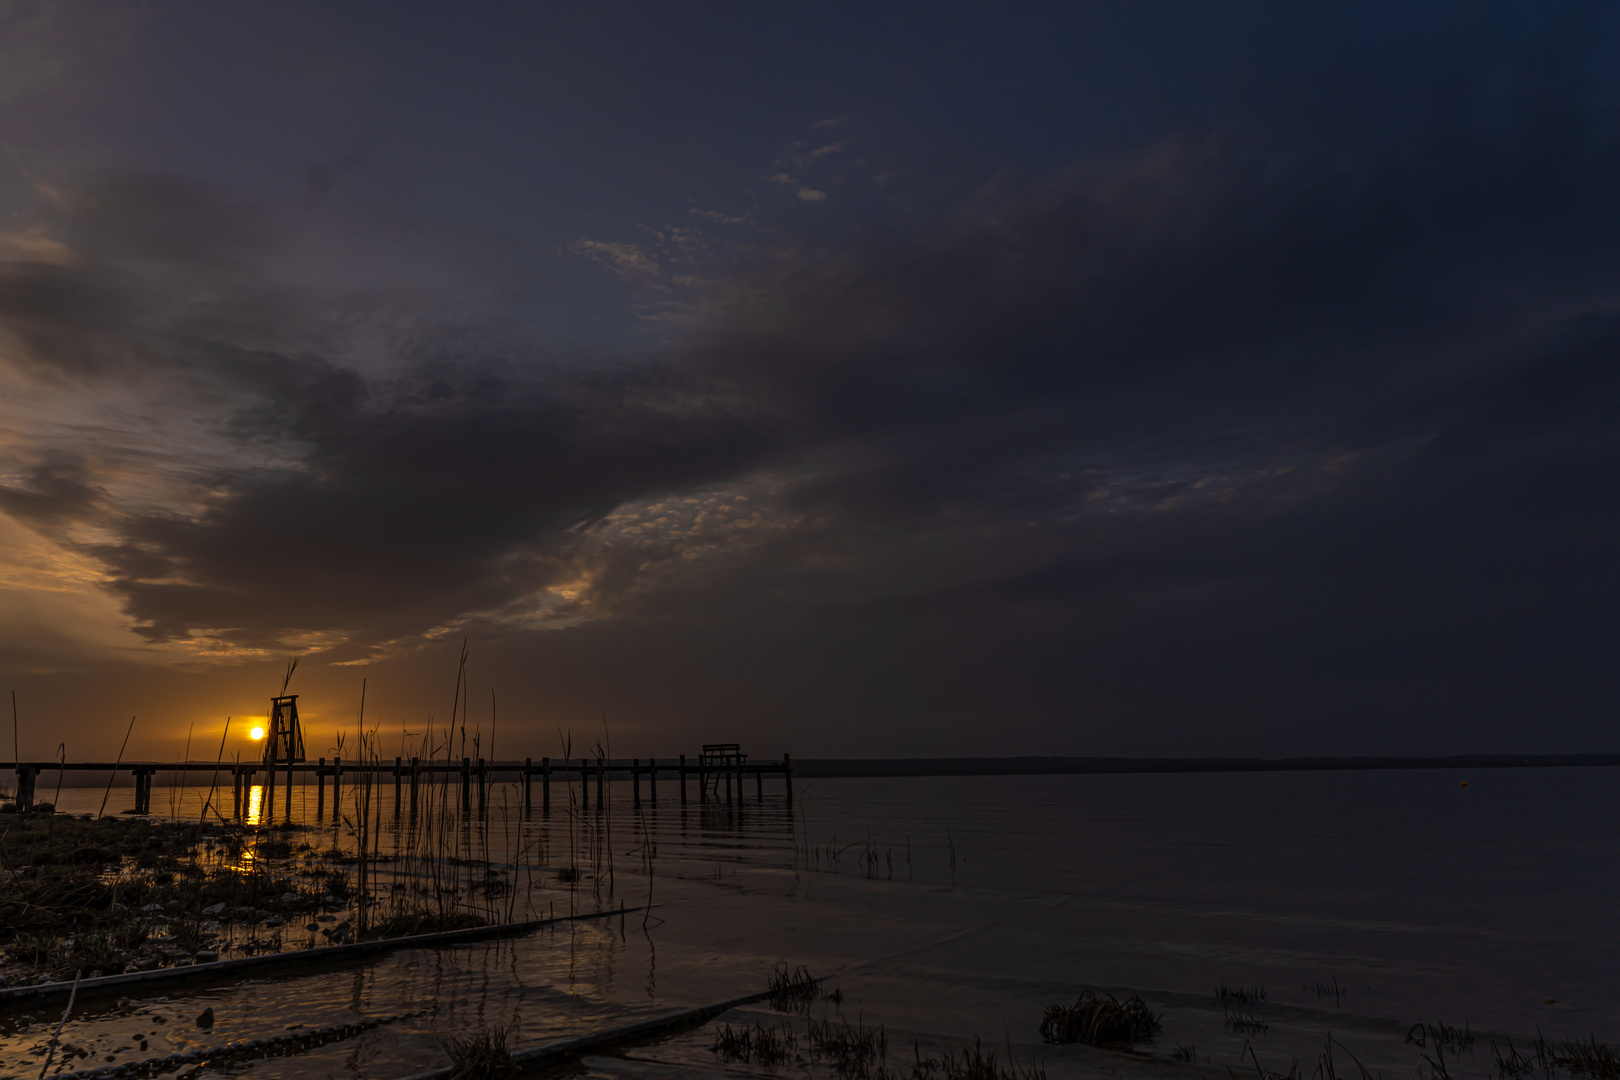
x=951 y=908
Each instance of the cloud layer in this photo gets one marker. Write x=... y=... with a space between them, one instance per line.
x=1230 y=424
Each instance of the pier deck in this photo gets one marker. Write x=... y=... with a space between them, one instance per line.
x=471 y=777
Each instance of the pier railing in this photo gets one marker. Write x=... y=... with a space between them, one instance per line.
x=722 y=784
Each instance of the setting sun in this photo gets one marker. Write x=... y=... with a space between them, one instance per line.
x=256 y=734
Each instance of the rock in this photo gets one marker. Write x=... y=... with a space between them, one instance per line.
x=215 y=909
x=205 y=1019
x=290 y=898
x=130 y=969
x=153 y=908
x=326 y=918
x=312 y=926
x=207 y=956
x=274 y=921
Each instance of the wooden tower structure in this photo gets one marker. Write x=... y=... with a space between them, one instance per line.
x=284 y=739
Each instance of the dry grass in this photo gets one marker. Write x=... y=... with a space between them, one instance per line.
x=1546 y=1058
x=484 y=1056
x=792 y=990
x=756 y=1044
x=1240 y=995
x=856 y=1051
x=972 y=1063
x=1100 y=1020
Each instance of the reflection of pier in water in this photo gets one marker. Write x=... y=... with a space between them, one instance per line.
x=717 y=777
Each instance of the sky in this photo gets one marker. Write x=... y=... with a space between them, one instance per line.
x=851 y=380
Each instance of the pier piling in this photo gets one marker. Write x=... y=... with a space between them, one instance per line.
x=143 y=790
x=26 y=775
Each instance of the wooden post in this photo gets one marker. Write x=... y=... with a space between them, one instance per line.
x=759 y=786
x=398 y=762
x=683 y=779
x=728 y=773
x=466 y=785
x=320 y=790
x=483 y=782
x=143 y=791
x=703 y=782
x=286 y=812
x=635 y=782
x=25 y=788
x=416 y=782
x=545 y=785
x=601 y=779
x=787 y=779
x=584 y=786
x=268 y=808
x=652 y=781
x=337 y=790
x=528 y=794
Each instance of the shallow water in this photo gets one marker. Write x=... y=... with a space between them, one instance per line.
x=961 y=906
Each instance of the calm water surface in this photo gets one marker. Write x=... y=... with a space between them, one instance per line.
x=948 y=908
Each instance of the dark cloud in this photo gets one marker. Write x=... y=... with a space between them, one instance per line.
x=1245 y=424
x=57 y=490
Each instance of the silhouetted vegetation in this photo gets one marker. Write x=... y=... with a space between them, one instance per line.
x=792 y=990
x=1100 y=1020
x=484 y=1056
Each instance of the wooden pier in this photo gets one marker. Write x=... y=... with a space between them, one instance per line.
x=706 y=780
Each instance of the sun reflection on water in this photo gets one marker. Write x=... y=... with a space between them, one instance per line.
x=255 y=804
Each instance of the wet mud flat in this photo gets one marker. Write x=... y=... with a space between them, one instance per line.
x=91 y=897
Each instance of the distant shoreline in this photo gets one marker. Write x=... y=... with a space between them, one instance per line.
x=832 y=768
